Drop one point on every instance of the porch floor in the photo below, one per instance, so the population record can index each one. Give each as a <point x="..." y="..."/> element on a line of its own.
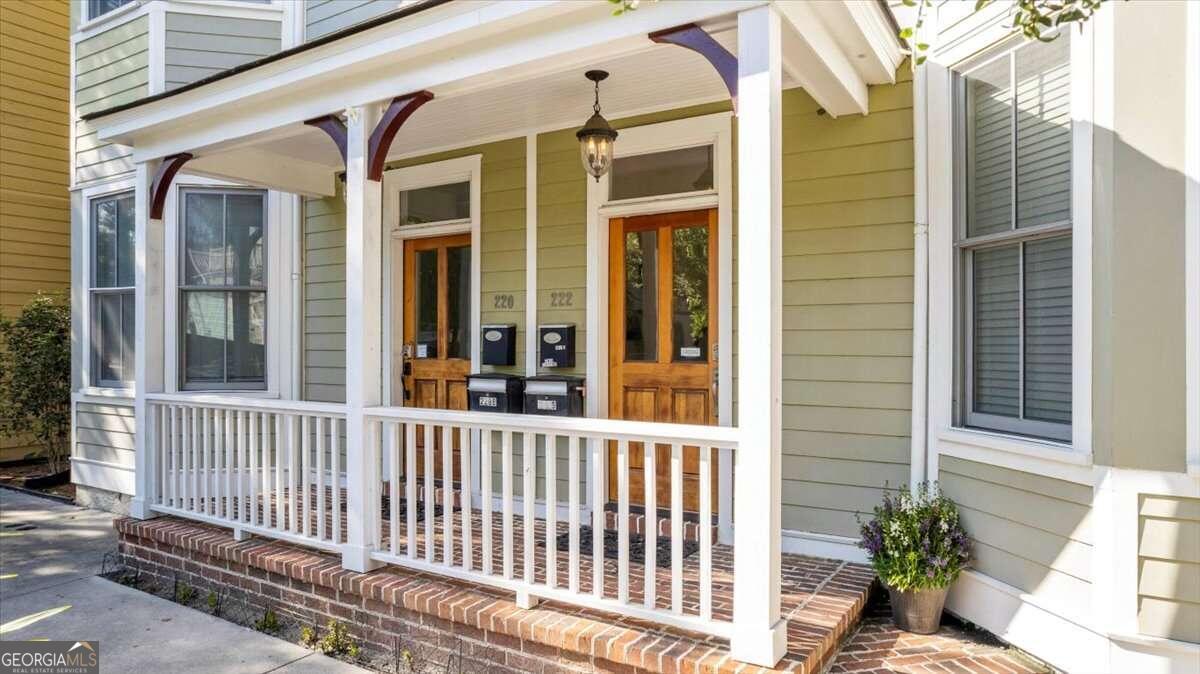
<point x="822" y="599"/>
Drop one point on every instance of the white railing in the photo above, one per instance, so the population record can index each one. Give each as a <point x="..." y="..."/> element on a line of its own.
<point x="277" y="469"/>
<point x="265" y="467"/>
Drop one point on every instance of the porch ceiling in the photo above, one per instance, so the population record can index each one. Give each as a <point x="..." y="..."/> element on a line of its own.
<point x="490" y="83"/>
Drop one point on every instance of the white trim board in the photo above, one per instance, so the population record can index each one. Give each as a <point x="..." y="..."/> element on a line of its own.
<point x="828" y="546"/>
<point x="1192" y="237"/>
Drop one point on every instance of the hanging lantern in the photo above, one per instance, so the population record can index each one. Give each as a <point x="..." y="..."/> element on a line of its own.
<point x="597" y="135"/>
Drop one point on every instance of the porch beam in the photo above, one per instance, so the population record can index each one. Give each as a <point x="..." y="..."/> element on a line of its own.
<point x="760" y="635"/>
<point x="163" y="177"/>
<point x="335" y="128"/>
<point x="267" y="169"/>
<point x="364" y="353"/>
<point x="817" y="61"/>
<point x="148" y="332"/>
<point x="397" y="113"/>
<point x="693" y="37"/>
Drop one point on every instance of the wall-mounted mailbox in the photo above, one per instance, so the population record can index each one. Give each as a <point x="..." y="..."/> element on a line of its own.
<point x="499" y="344"/>
<point x="556" y="345"/>
<point x="554" y="395"/>
<point x="495" y="392"/>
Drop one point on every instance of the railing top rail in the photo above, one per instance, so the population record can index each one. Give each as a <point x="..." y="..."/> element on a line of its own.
<point x="725" y="437"/>
<point x="248" y="403"/>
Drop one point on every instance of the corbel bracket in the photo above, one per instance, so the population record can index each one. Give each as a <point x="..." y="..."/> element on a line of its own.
<point x="398" y="112"/>
<point x="693" y="37"/>
<point x="335" y="128"/>
<point x="162" y="182"/>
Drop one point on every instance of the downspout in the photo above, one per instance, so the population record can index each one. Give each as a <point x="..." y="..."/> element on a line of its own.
<point x="920" y="353"/>
<point x="297" y="296"/>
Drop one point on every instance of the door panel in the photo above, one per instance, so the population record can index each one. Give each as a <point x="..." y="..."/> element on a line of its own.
<point x="662" y="328"/>
<point x="437" y="359"/>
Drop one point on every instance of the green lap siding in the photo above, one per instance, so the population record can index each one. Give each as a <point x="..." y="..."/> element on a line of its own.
<point x="198" y="45"/>
<point x="111" y="68"/>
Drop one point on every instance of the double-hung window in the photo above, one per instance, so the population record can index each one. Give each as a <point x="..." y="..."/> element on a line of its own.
<point x="223" y="289"/>
<point x="1013" y="240"/>
<point x="96" y="8"/>
<point x="111" y="291"/>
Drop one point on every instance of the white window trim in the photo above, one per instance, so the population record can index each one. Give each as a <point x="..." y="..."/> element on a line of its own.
<point x="1192" y="237"/>
<point x="92" y="26"/>
<point x="279" y="291"/>
<point x="461" y="169"/>
<point x="1018" y="452"/>
<point x="89" y="194"/>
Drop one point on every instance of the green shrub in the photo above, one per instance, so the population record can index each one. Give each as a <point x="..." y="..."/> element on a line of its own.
<point x="269" y="623"/>
<point x="35" y="375"/>
<point x="337" y="640"/>
<point x="915" y="540"/>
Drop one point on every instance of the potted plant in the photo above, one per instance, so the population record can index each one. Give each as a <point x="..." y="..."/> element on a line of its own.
<point x="917" y="547"/>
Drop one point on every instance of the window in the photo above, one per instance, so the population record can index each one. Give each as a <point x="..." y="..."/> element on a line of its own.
<point x="111" y="292"/>
<point x="440" y="203"/>
<point x="669" y="172"/>
<point x="223" y="289"/>
<point x="1014" y="241"/>
<point x="97" y="8"/>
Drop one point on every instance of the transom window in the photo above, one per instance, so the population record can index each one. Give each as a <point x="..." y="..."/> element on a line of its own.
<point x="680" y="171"/>
<point x="1014" y="240"/>
<point x="111" y="290"/>
<point x="440" y="203"/>
<point x="223" y="289"/>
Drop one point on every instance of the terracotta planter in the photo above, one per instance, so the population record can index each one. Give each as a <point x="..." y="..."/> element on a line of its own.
<point x="918" y="611"/>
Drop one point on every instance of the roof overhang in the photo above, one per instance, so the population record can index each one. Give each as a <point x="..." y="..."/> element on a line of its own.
<point x="469" y="49"/>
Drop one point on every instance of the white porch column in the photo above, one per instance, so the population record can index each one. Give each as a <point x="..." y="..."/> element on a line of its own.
<point x="760" y="636"/>
<point x="364" y="310"/>
<point x="149" y="315"/>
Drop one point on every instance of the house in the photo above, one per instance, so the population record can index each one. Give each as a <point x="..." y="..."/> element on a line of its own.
<point x="35" y="248"/>
<point x="806" y="274"/>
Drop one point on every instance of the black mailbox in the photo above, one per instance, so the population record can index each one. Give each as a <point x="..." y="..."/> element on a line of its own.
<point x="495" y="392"/>
<point x="556" y="345"/>
<point x="554" y="395"/>
<point x="499" y="345"/>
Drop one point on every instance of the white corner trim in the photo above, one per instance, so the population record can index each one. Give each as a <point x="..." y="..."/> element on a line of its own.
<point x="156" y="54"/>
<point x="1192" y="237"/>
<point x="823" y="545"/>
<point x="94" y="25"/>
<point x="531" y="254"/>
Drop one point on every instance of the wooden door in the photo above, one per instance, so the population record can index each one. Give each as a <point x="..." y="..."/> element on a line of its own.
<point x="662" y="337"/>
<point x="437" y="330"/>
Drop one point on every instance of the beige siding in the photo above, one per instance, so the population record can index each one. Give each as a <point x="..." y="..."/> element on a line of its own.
<point x="562" y="239"/>
<point x="326" y="16"/>
<point x="103" y="433"/>
<point x="198" y="46"/>
<point x="1169" y="567"/>
<point x="1030" y="531"/>
<point x="325" y="299"/>
<point x="110" y="69"/>
<point x="847" y="315"/>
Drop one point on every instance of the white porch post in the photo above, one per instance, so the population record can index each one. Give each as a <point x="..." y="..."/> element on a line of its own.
<point x="364" y="310"/>
<point x="760" y="636"/>
<point x="148" y="339"/>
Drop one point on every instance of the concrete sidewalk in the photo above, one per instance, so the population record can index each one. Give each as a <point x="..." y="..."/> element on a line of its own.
<point x="50" y="554"/>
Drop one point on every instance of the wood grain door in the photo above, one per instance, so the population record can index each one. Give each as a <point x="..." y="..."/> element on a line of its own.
<point x="437" y="330"/>
<point x="662" y="332"/>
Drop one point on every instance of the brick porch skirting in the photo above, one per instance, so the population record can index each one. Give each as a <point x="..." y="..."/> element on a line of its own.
<point x="822" y="600"/>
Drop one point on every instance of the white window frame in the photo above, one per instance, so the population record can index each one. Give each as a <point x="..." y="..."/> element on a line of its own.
<point x="1063" y="459"/>
<point x="278" y="226"/>
<point x="1192" y="237"/>
<point x="90" y="385"/>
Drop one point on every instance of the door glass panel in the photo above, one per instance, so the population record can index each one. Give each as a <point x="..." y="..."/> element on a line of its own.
<point x="426" y="295"/>
<point x="670" y="172"/>
<point x="689" y="293"/>
<point x="641" y="295"/>
<point x="458" y="282"/>
<point x="435" y="204"/>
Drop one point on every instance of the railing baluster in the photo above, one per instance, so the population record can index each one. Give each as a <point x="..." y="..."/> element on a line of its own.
<point x="650" y="523"/>
<point x="293" y="475"/>
<point x="623" y="521"/>
<point x="506" y="501"/>
<point x="430" y="504"/>
<point x="573" y="512"/>
<point x="410" y="486"/>
<point x="598" y="446"/>
<point x="335" y="477"/>
<point x="243" y="446"/>
<point x="254" y="446"/>
<point x="321" y="430"/>
<point x="161" y="453"/>
<point x="552" y="510"/>
<point x="464" y="518"/>
<point x="230" y="444"/>
<point x="279" y="456"/>
<point x="677" y="528"/>
<point x="485" y="497"/>
<point x="305" y="473"/>
<point x="264" y="447"/>
<point x="374" y="498"/>
<point x="705" y="532"/>
<point x="194" y="487"/>
<point x="206" y="442"/>
<point x="529" y="501"/>
<point x="169" y="456"/>
<point x="447" y="495"/>
<point x="393" y="458"/>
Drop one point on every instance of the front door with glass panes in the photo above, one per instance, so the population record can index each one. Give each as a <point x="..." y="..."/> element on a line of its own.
<point x="662" y="331"/>
<point x="437" y="325"/>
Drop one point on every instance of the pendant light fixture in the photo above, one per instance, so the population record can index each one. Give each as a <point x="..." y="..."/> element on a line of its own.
<point x="597" y="135"/>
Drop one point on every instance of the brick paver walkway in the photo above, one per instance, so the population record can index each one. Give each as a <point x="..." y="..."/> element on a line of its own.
<point x="877" y="647"/>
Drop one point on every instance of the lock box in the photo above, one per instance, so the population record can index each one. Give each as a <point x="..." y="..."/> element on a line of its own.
<point x="554" y="395"/>
<point x="499" y="344"/>
<point x="556" y="345"/>
<point x="495" y="392"/>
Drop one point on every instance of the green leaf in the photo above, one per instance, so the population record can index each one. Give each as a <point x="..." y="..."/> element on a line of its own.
<point x="921" y="59"/>
<point x="909" y="3"/>
<point x="980" y="4"/>
<point x="906" y="34"/>
<point x="922" y="46"/>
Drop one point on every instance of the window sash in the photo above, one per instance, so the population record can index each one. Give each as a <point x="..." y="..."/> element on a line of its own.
<point x="99" y="339"/>
<point x="99" y="288"/>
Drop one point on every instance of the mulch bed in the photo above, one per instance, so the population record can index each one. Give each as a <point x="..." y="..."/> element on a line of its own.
<point x="14" y="474"/>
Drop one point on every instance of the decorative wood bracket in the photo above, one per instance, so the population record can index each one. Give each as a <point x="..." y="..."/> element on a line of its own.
<point x="398" y="112"/>
<point x="693" y="37"/>
<point x="335" y="128"/>
<point x="162" y="182"/>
